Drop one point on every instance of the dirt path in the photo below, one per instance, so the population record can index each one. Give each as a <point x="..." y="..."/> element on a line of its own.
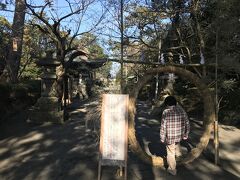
<point x="70" y="151"/>
<point x="49" y="152"/>
<point x="229" y="149"/>
<point x="229" y="137"/>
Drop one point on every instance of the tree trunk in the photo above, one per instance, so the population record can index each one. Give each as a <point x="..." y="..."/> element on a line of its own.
<point x="14" y="56"/>
<point x="195" y="14"/>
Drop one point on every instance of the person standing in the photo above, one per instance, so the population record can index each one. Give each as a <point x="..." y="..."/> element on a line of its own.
<point x="174" y="127"/>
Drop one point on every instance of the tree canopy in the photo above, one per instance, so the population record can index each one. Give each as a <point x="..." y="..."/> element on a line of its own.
<point x="154" y="31"/>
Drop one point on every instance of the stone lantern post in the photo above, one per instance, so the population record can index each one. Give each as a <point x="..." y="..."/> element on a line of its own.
<point x="47" y="107"/>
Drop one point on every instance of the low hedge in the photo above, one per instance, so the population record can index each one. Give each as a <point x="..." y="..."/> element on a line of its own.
<point x="16" y="97"/>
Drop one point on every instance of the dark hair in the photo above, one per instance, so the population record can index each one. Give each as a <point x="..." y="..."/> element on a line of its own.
<point x="170" y="101"/>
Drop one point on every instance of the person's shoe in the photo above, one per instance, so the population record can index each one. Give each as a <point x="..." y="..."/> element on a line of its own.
<point x="172" y="172"/>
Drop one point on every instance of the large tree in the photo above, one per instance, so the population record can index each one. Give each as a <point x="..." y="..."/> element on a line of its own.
<point x="60" y="34"/>
<point x="15" y="50"/>
<point x="5" y="33"/>
<point x="53" y="24"/>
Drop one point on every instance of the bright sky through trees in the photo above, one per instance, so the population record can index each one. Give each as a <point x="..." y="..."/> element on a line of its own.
<point x="61" y="8"/>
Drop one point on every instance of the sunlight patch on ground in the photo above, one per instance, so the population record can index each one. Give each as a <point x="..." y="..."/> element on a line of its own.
<point x="14" y="158"/>
<point x="142" y="119"/>
<point x="203" y="166"/>
<point x="153" y="121"/>
<point x="79" y="127"/>
<point x="45" y="173"/>
<point x="48" y="142"/>
<point x="88" y="174"/>
<point x="31" y="137"/>
<point x="84" y="110"/>
<point x="92" y="103"/>
<point x="3" y="150"/>
<point x="19" y="148"/>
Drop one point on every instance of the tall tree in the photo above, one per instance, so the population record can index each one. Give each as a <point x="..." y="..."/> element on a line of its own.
<point x="51" y="23"/>
<point x="63" y="36"/>
<point x="5" y="32"/>
<point x="15" y="51"/>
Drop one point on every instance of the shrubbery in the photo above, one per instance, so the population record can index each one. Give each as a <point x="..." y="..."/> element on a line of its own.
<point x="17" y="97"/>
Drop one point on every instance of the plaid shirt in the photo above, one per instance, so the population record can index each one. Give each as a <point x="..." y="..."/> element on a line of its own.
<point x="174" y="125"/>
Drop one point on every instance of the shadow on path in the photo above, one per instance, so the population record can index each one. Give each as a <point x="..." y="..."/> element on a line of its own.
<point x="69" y="151"/>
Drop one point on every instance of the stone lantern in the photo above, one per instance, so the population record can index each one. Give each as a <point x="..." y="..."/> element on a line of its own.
<point x="47" y="108"/>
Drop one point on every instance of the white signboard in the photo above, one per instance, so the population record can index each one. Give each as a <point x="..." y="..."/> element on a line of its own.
<point x="114" y="123"/>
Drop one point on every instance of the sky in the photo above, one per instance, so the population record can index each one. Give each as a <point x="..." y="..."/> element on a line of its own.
<point x="60" y="9"/>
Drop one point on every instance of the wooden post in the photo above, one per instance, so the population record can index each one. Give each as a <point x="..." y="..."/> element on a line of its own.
<point x="121" y="28"/>
<point x="157" y="76"/>
<point x="121" y="171"/>
<point x="216" y="143"/>
<point x="65" y="94"/>
<point x="99" y="169"/>
<point x="126" y="147"/>
<point x="216" y="132"/>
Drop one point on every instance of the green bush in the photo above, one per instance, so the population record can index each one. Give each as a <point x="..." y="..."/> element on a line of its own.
<point x="19" y="92"/>
<point x="229" y="107"/>
<point x="34" y="86"/>
<point x="230" y="118"/>
<point x="5" y="100"/>
<point x="26" y="90"/>
<point x="5" y="90"/>
<point x="16" y="97"/>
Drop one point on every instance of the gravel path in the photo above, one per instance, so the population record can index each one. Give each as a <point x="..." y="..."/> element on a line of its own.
<point x="70" y="151"/>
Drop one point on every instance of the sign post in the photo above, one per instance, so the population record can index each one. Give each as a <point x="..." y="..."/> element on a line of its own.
<point x="114" y="132"/>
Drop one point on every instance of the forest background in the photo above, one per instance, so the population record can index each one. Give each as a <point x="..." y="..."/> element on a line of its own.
<point x="191" y="31"/>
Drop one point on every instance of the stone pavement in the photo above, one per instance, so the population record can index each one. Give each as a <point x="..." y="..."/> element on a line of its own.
<point x="70" y="151"/>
